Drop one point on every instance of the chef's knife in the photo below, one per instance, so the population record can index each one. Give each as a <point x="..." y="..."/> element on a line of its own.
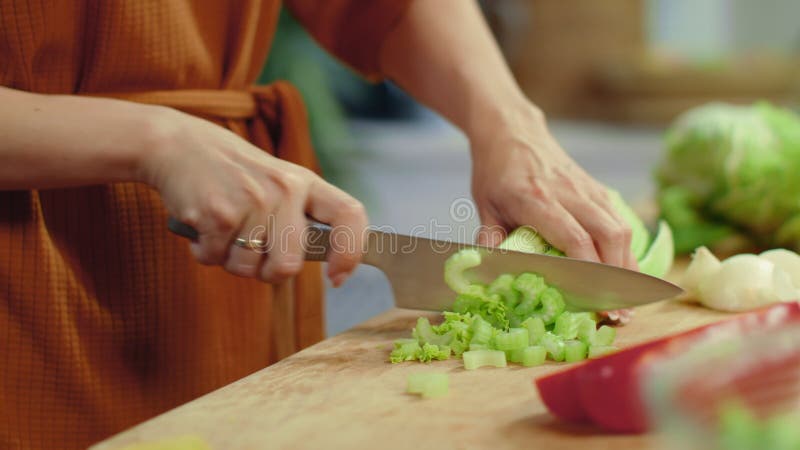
<point x="415" y="265"/>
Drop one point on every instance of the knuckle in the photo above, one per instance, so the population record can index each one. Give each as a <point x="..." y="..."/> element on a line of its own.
<point x="352" y="209"/>
<point x="256" y="196"/>
<point x="222" y="213"/>
<point x="579" y="239"/>
<point x="291" y="182"/>
<point x="189" y="216"/>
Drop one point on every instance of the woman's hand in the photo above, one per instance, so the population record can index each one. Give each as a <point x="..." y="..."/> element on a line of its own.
<point x="521" y="176"/>
<point x="226" y="188"/>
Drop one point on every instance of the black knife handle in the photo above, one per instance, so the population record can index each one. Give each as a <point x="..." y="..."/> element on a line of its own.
<point x="181" y="229"/>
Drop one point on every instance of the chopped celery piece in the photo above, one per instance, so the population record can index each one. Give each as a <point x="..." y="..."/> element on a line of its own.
<point x="514" y="356"/>
<point x="480" y="358"/>
<point x="605" y="335"/>
<point x="458" y="326"/>
<point x="597" y="351"/>
<point x="530" y="286"/>
<point x="405" y="352"/>
<point x="739" y="429"/>
<point x="401" y="342"/>
<point x="533" y="356"/>
<point x="527" y="240"/>
<point x="554" y="346"/>
<point x="429" y="352"/>
<point x="478" y="346"/>
<point x="456" y="265"/>
<point x="536" y="329"/>
<point x="425" y="333"/>
<point x="575" y="351"/>
<point x="481" y="331"/>
<point x="429" y="385"/>
<point x="552" y="304"/>
<point x="512" y="339"/>
<point x="490" y="308"/>
<point x="502" y="286"/>
<point x="586" y="331"/>
<point x="781" y="432"/>
<point x="526" y="307"/>
<point x="567" y="325"/>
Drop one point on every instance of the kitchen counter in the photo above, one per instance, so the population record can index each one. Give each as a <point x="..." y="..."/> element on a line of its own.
<point x="342" y="393"/>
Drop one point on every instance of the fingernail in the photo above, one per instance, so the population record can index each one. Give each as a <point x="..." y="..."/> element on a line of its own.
<point x="339" y="278"/>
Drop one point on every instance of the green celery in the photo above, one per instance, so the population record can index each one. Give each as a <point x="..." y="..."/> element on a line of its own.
<point x="401" y="342"/>
<point x="604" y="336"/>
<point x="456" y="265"/>
<point x="587" y="330"/>
<point x="575" y="351"/>
<point x="552" y="305"/>
<point x="477" y="346"/>
<point x="598" y="351"/>
<point x="429" y="352"/>
<point x="533" y="356"/>
<point x="429" y="385"/>
<point x="554" y="346"/>
<point x="512" y="339"/>
<point x="530" y="286"/>
<point x="405" y="352"/>
<point x="425" y="333"/>
<point x="502" y="286"/>
<point x="480" y="358"/>
<point x="567" y="324"/>
<point x="536" y="329"/>
<point x="514" y="356"/>
<point x="481" y="331"/>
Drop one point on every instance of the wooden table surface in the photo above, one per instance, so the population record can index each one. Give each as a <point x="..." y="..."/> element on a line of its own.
<point x="342" y="393"/>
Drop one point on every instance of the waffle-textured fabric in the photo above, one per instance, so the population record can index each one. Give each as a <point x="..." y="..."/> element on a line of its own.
<point x="105" y="318"/>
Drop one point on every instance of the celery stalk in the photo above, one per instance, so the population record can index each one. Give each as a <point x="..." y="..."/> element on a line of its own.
<point x="456" y="265"/>
<point x="474" y="359"/>
<point x="554" y="346"/>
<point x="481" y="331"/>
<point x="429" y="385"/>
<point x="605" y="335"/>
<point x="575" y="351"/>
<point x="502" y="286"/>
<point x="536" y="329"/>
<point x="586" y="331"/>
<point x="533" y="356"/>
<point x="552" y="305"/>
<point x="514" y="339"/>
<point x="566" y="325"/>
<point x="597" y="351"/>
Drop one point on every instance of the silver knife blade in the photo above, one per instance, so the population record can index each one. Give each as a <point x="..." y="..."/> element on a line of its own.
<point x="415" y="269"/>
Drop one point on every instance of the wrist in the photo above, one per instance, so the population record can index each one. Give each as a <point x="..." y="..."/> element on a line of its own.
<point x="503" y="120"/>
<point x="155" y="140"/>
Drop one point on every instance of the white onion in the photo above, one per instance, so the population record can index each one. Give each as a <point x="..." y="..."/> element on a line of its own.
<point x="704" y="264"/>
<point x="787" y="260"/>
<point x="743" y="282"/>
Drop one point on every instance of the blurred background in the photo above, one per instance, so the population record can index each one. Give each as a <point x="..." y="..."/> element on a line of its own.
<point x="611" y="76"/>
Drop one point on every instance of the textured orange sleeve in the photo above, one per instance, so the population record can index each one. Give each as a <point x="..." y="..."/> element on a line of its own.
<point x="353" y="30"/>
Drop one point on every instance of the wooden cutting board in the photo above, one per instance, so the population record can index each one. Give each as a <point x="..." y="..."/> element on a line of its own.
<point x="342" y="393"/>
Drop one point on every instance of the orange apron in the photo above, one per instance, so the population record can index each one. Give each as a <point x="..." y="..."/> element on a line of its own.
<point x="105" y="318"/>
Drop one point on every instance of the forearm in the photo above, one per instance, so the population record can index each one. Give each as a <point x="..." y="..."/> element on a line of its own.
<point x="444" y="55"/>
<point x="49" y="141"/>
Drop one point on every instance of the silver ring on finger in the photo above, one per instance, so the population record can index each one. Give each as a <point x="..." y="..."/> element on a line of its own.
<point x="250" y="244"/>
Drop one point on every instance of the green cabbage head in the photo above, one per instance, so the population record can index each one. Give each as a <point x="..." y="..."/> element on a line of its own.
<point x="732" y="171"/>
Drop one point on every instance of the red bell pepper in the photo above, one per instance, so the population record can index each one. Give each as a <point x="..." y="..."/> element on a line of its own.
<point x="606" y="391"/>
